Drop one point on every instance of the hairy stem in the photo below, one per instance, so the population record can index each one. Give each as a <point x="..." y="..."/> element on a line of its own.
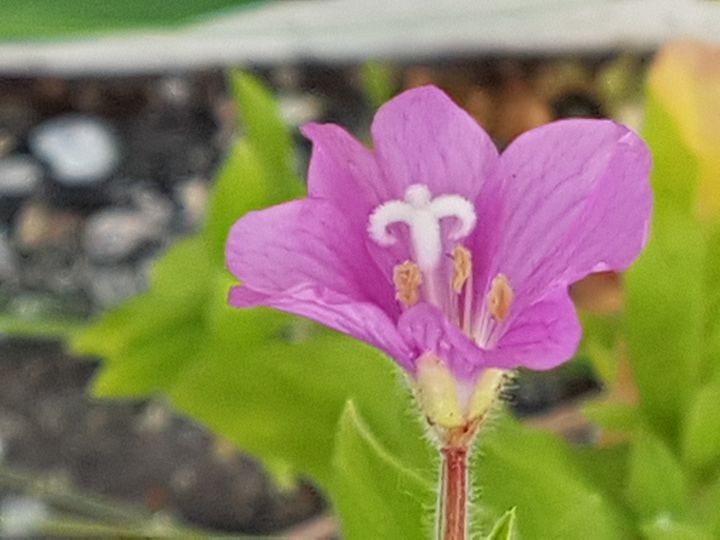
<point x="453" y="498"/>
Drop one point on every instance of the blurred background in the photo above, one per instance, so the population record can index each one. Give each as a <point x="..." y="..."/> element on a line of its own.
<point x="115" y="118"/>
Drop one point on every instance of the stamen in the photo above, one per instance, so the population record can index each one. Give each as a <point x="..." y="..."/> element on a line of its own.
<point x="500" y="298"/>
<point x="462" y="267"/>
<point x="407" y="278"/>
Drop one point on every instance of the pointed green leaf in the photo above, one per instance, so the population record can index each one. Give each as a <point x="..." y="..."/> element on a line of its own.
<point x="504" y="528"/>
<point x="265" y="130"/>
<point x="656" y="481"/>
<point x="376" y="495"/>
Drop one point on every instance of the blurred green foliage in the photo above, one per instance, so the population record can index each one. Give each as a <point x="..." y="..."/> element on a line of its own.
<point x="37" y="19"/>
<point x="308" y="401"/>
<point x="378" y="81"/>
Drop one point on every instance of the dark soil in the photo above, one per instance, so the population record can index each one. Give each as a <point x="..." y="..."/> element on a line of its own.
<point x="136" y="452"/>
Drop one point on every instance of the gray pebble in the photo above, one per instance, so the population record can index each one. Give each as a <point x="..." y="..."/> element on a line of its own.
<point x="39" y="227"/>
<point x="22" y="515"/>
<point x="192" y="196"/>
<point x="113" y="235"/>
<point x="79" y="150"/>
<point x="19" y="176"/>
<point x="156" y="209"/>
<point x="109" y="286"/>
<point x="8" y="142"/>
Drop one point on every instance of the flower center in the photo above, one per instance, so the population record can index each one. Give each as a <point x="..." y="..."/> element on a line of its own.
<point x="445" y="282"/>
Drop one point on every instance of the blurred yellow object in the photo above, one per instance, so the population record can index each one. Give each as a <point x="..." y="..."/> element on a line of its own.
<point x="685" y="78"/>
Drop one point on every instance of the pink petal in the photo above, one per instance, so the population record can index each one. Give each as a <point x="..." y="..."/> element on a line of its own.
<point x="543" y="336"/>
<point x="345" y="172"/>
<point x="304" y="258"/>
<point x="576" y="200"/>
<point x="305" y="243"/>
<point x="361" y="320"/>
<point x="422" y="137"/>
<point x="426" y="329"/>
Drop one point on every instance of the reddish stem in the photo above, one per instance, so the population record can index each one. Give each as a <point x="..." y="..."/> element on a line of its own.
<point x="454" y="493"/>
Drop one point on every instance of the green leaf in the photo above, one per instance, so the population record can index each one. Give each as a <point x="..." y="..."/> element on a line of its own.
<point x="665" y="528"/>
<point x="247" y="327"/>
<point x="241" y="186"/>
<point x="282" y="401"/>
<point x="149" y="366"/>
<point x="705" y="507"/>
<point x="667" y="296"/>
<point x="376" y="494"/>
<point x="711" y="364"/>
<point x="537" y="473"/>
<point x="656" y="481"/>
<point x="504" y="528"/>
<point x="33" y="19"/>
<point x="675" y="166"/>
<point x="266" y="132"/>
<point x="378" y="82"/>
<point x="175" y="300"/>
<point x="701" y="429"/>
<point x="666" y="318"/>
<point x="606" y="470"/>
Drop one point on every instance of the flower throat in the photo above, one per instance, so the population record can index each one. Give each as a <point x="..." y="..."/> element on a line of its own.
<point x="426" y="276"/>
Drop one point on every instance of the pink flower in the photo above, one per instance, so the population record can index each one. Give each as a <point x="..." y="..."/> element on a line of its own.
<point x="433" y="243"/>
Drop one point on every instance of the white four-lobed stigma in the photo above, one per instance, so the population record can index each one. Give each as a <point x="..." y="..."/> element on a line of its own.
<point x="422" y="214"/>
